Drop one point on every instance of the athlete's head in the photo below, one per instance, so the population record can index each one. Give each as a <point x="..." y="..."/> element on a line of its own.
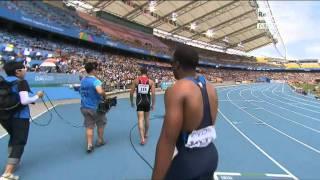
<point x="143" y="71"/>
<point x="13" y="68"/>
<point x="91" y="67"/>
<point x="184" y="59"/>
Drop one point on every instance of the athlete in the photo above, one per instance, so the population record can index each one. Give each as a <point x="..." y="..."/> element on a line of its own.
<point x="143" y="86"/>
<point x="190" y="115"/>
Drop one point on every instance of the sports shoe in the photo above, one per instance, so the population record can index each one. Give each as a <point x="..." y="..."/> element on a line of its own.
<point x="8" y="176"/>
<point x="90" y="149"/>
<point x="99" y="144"/>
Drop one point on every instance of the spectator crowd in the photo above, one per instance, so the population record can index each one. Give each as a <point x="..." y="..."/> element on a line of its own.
<point x="117" y="70"/>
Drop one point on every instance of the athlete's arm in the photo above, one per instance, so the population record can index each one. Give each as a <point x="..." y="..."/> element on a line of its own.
<point x="170" y="131"/>
<point x="213" y="98"/>
<point x="133" y="87"/>
<point x="153" y="92"/>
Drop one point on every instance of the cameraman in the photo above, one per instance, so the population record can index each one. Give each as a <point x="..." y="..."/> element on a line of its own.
<point x="17" y="125"/>
<point x="91" y="92"/>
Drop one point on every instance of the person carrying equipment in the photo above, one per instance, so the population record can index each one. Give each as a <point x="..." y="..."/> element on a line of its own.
<point x="15" y="119"/>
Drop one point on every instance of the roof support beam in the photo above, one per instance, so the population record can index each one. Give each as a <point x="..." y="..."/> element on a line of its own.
<point x="106" y="4"/>
<point x="226" y="23"/>
<point x="101" y="5"/>
<point x="137" y="9"/>
<point x="235" y="32"/>
<point x="249" y="39"/>
<point x="262" y="45"/>
<point x="144" y="9"/>
<point x="168" y="14"/>
<point x="180" y="28"/>
<point x="97" y="4"/>
<point x="180" y="11"/>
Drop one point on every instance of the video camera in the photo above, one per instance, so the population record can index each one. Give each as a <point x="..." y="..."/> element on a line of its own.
<point x="106" y="104"/>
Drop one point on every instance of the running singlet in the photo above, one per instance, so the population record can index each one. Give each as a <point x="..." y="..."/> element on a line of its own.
<point x="143" y="86"/>
<point x="197" y="156"/>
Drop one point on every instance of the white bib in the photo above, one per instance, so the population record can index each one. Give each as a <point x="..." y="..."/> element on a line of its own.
<point x="201" y="138"/>
<point x="143" y="88"/>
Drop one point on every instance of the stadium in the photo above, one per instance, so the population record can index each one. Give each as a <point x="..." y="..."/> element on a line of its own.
<point x="267" y="123"/>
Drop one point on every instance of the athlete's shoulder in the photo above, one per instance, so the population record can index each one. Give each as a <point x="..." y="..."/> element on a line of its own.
<point x="178" y="90"/>
<point x="182" y="83"/>
<point x="211" y="89"/>
<point x="182" y="86"/>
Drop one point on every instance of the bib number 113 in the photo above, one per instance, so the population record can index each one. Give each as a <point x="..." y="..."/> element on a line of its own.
<point x="143" y="88"/>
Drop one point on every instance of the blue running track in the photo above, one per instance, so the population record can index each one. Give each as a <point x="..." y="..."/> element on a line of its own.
<point x="264" y="131"/>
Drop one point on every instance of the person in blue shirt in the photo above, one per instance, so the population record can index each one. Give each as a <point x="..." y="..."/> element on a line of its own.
<point x="189" y="123"/>
<point x="92" y="93"/>
<point x="18" y="126"/>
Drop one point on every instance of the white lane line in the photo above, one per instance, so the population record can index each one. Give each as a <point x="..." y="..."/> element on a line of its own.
<point x="287" y="119"/>
<point x="256" y="146"/>
<point x="278" y="106"/>
<point x="275" y="129"/>
<point x="295" y="102"/>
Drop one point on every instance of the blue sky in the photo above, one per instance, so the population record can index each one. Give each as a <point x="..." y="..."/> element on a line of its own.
<point x="299" y="26"/>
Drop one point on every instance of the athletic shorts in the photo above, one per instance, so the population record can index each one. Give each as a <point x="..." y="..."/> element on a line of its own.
<point x="92" y="118"/>
<point x="143" y="106"/>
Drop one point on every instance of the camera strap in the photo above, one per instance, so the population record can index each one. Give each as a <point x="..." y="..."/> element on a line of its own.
<point x="51" y="115"/>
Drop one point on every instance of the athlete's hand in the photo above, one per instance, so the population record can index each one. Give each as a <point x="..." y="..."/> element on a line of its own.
<point x="40" y="94"/>
<point x="152" y="108"/>
<point x="132" y="105"/>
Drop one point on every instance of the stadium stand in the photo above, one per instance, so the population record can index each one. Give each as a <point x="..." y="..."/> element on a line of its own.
<point x="56" y="41"/>
<point x="292" y="65"/>
<point x="309" y="65"/>
<point x="126" y="34"/>
<point x="118" y="68"/>
<point x="38" y="9"/>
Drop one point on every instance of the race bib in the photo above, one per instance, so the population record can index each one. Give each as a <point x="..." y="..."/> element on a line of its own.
<point x="143" y="88"/>
<point x="201" y="138"/>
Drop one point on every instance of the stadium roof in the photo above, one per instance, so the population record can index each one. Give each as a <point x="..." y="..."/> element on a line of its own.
<point x="227" y="24"/>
